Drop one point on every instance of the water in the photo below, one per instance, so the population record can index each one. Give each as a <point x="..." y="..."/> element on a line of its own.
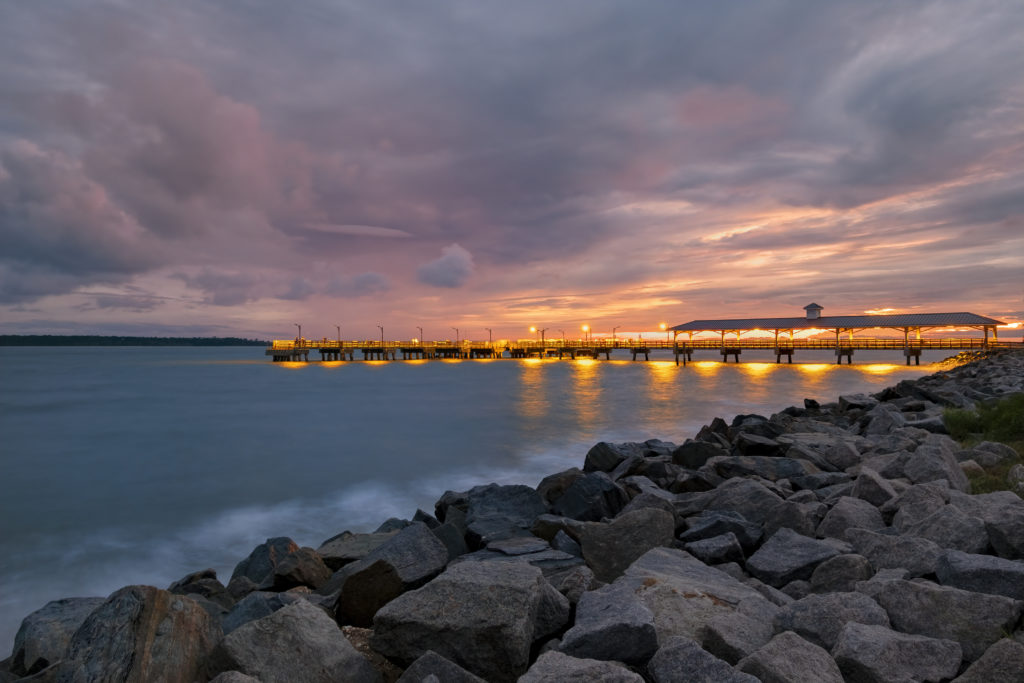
<point x="139" y="465"/>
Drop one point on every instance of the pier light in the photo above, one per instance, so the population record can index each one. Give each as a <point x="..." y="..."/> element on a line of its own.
<point x="586" y="332"/>
<point x="381" y="328"/>
<point x="456" y="335"/>
<point x="490" y="340"/>
<point x="613" y="332"/>
<point x="664" y="327"/>
<point x="421" y="331"/>
<point x="300" y="329"/>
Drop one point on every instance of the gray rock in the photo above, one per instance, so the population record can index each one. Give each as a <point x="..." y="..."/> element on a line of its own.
<point x="553" y="612"/>
<point x="747" y="497"/>
<point x="555" y="667"/>
<point x="234" y="677"/>
<point x="1006" y="532"/>
<point x="714" y="523"/>
<point x="43" y="636"/>
<point x="553" y="486"/>
<point x="494" y="512"/>
<point x="797" y="589"/>
<point x="1003" y="662"/>
<point x="981" y="573"/>
<point x="990" y="454"/>
<point x="872" y="487"/>
<point x="883" y="419"/>
<point x="453" y="538"/>
<point x="934" y="460"/>
<point x="297" y="642"/>
<point x="803" y="518"/>
<point x="840" y="574"/>
<point x="916" y="503"/>
<point x="255" y="606"/>
<point x="752" y="444"/>
<point x="788" y="556"/>
<point x="280" y="564"/>
<point x="409" y="559"/>
<point x="662" y="500"/>
<point x="591" y="498"/>
<point x="609" y="548"/>
<point x="766" y="467"/>
<point x="347" y="547"/>
<point x="392" y="524"/>
<point x="142" y="633"/>
<point x="717" y="549"/>
<point x="432" y="664"/>
<point x="519" y="545"/>
<point x="574" y="582"/>
<point x="733" y="635"/>
<point x="682" y="659"/>
<point x="788" y="658"/>
<point x="820" y="618"/>
<point x="849" y="513"/>
<point x="563" y="542"/>
<point x="547" y="527"/>
<point x="932" y="424"/>
<point x="975" y="620"/>
<point x="605" y="457"/>
<point x="480" y="615"/>
<point x="205" y="584"/>
<point x="877" y="654"/>
<point x="548" y="561"/>
<point x="916" y="555"/>
<point x="849" y="402"/>
<point x="612" y="623"/>
<point x="949" y="527"/>
<point x="693" y="454"/>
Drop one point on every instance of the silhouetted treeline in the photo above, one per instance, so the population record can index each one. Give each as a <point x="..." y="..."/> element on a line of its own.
<point x="103" y="340"/>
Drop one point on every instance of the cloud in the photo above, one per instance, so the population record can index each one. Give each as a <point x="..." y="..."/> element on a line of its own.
<point x="370" y="283"/>
<point x="357" y="230"/>
<point x="451" y="269"/>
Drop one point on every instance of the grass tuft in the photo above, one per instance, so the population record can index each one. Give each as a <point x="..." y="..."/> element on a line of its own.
<point x="1000" y="420"/>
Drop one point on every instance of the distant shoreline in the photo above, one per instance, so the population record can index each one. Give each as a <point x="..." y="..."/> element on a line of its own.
<point x="112" y="340"/>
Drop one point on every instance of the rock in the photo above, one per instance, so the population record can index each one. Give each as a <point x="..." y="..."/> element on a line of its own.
<point x="574" y="582"/>
<point x="971" y="468"/>
<point x="1003" y="662"/>
<point x="553" y="486"/>
<point x="233" y="677"/>
<point x="453" y="538"/>
<point x="717" y="522"/>
<point x="142" y="633"/>
<point x="553" y="612"/>
<point x="348" y="547"/>
<point x="770" y="468"/>
<point x="555" y="667"/>
<point x="494" y="512"/>
<point x="847" y="513"/>
<point x="591" y="498"/>
<point x="788" y="556"/>
<point x="981" y="573"/>
<point x="563" y="542"/>
<point x="605" y="457"/>
<point x="917" y="555"/>
<point x="432" y="664"/>
<point x="519" y="545"/>
<point x="931" y="463"/>
<point x="280" y="564"/>
<point x="650" y="499"/>
<point x="990" y="454"/>
<point x="747" y="497"/>
<point x="840" y="574"/>
<point x="43" y="636"/>
<point x="820" y="618"/>
<point x="612" y="623"/>
<point x="1006" y="531"/>
<point x="753" y="444"/>
<point x="877" y="654"/>
<point x="609" y="548"/>
<point x="797" y="589"/>
<point x="409" y="559"/>
<point x="916" y="503"/>
<point x="682" y="659"/>
<point x="788" y="658"/>
<point x="803" y="518"/>
<point x="204" y="583"/>
<point x="480" y="615"/>
<point x="297" y="642"/>
<point x="872" y="487"/>
<point x="975" y="620"/>
<point x="932" y="424"/>
<point x="949" y="527"/>
<point x="717" y="549"/>
<point x="731" y="636"/>
<point x="849" y="402"/>
<point x="255" y="606"/>
<point x="693" y="454"/>
<point x="883" y="419"/>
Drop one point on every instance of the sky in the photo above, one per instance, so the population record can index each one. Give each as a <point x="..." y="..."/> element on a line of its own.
<point x="237" y="168"/>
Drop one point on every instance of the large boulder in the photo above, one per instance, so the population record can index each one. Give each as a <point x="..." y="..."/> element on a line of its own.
<point x="935" y="460"/>
<point x="840" y="574"/>
<point x="745" y="496"/>
<point x="717" y="549"/>
<point x="748" y="443"/>
<point x="733" y="635"/>
<point x="1003" y="662"/>
<point x="693" y="454"/>
<point x="788" y="556"/>
<point x="591" y="498"/>
<point x="480" y="615"/>
<point x="556" y="667"/>
<point x="820" y="618"/>
<point x="877" y="654"/>
<point x="788" y="658"/>
<point x="872" y="487"/>
<point x="916" y="503"/>
<point x="43" y="636"/>
<point x="296" y="643"/>
<point x="981" y="573"/>
<point x="917" y="555"/>
<point x="347" y="547"/>
<point x="849" y="512"/>
<point x="495" y="512"/>
<point x="255" y="606"/>
<point x="712" y="523"/>
<point x="432" y="664"/>
<point x="975" y="620"/>
<point x="279" y="564"/>
<point x="765" y="467"/>
<point x="612" y="623"/>
<point x="409" y="559"/>
<point x="609" y="548"/>
<point x="206" y="585"/>
<point x="142" y="633"/>
<point x="605" y="457"/>
<point x="950" y="527"/>
<point x="682" y="659"/>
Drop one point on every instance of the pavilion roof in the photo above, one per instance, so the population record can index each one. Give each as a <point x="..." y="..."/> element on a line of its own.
<point x="841" y="322"/>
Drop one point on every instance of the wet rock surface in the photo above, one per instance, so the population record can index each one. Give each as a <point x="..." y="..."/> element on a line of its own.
<point x="828" y="542"/>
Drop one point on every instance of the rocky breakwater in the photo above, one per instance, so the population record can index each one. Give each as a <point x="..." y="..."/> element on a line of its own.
<point x="825" y="543"/>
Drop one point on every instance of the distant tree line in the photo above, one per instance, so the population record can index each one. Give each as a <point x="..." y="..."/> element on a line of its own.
<point x="105" y="340"/>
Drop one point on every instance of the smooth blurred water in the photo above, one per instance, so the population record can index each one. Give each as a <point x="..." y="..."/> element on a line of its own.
<point x="139" y="465"/>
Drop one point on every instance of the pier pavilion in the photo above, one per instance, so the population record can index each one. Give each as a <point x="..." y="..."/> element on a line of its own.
<point x="783" y="331"/>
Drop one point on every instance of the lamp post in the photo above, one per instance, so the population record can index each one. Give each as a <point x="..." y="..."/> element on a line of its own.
<point x="300" y="330"/>
<point x="338" y="328"/>
<point x="490" y="339"/>
<point x="381" y="328"/>
<point x="456" y="335"/>
<point x="563" y="336"/>
<point x="613" y="333"/>
<point x="421" y="333"/>
<point x="586" y="332"/>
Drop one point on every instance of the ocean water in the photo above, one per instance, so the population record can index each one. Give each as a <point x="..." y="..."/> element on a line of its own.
<point x="140" y="465"/>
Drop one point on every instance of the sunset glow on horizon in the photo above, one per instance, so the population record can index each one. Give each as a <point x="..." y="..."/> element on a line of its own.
<point x="606" y="169"/>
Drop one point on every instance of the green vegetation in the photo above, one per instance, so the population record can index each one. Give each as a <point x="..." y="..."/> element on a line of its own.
<point x="1000" y="420"/>
<point x="101" y="340"/>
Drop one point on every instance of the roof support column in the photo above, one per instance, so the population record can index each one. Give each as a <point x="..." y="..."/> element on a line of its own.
<point x="986" y="336"/>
